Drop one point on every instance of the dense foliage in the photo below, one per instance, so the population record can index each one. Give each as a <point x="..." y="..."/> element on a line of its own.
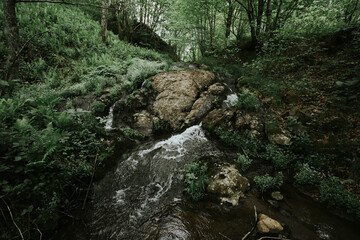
<point x="50" y="147"/>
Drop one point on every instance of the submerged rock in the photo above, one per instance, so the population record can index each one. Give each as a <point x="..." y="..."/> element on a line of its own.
<point x="177" y="92"/>
<point x="229" y="185"/>
<point x="268" y="225"/>
<point x="277" y="196"/>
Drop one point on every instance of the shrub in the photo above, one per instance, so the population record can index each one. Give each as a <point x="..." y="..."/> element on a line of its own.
<point x="196" y="179"/>
<point x="251" y="145"/>
<point x="266" y="182"/>
<point x="97" y="107"/>
<point x="243" y="161"/>
<point x="335" y="194"/>
<point x="308" y="175"/>
<point x="280" y="158"/>
<point x="248" y="101"/>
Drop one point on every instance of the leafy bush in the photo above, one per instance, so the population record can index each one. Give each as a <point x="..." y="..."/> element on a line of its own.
<point x="280" y="158"/>
<point x="336" y="195"/>
<point x="97" y="107"/>
<point x="251" y="145"/>
<point x="266" y="182"/>
<point x="243" y="161"/>
<point x="248" y="101"/>
<point x="129" y="134"/>
<point x="196" y="179"/>
<point x="308" y="175"/>
<point x="47" y="157"/>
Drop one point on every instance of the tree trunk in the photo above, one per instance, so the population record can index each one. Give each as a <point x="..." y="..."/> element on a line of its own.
<point x="118" y="22"/>
<point x="260" y="14"/>
<point x="268" y="19"/>
<point x="104" y="13"/>
<point x="12" y="31"/>
<point x="229" y="19"/>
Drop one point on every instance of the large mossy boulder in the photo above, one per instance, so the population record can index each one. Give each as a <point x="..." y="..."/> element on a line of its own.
<point x="229" y="185"/>
<point x="177" y="93"/>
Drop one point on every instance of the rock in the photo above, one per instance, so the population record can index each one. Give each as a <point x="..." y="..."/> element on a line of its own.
<point x="229" y="185"/>
<point x="200" y="108"/>
<point x="216" y="89"/>
<point x="219" y="117"/>
<point x="143" y="122"/>
<point x="268" y="225"/>
<point x="273" y="203"/>
<point x="277" y="196"/>
<point x="279" y="139"/>
<point x="177" y="92"/>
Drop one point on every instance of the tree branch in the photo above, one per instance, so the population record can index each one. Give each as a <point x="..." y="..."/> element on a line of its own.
<point x="20" y="51"/>
<point x="21" y="234"/>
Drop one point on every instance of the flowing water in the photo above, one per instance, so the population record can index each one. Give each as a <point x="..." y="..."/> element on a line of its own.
<point x="142" y="198"/>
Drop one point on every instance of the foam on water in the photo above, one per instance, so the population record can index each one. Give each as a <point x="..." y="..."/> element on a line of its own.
<point x="231" y="100"/>
<point x="109" y="122"/>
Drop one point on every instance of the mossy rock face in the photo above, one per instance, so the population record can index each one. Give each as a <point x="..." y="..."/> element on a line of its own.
<point x="272" y="128"/>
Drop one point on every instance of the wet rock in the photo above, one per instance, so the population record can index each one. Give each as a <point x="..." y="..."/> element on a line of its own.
<point x="177" y="91"/>
<point x="143" y="122"/>
<point x="277" y="196"/>
<point x="273" y="203"/>
<point x="200" y="108"/>
<point x="219" y="118"/>
<point x="216" y="89"/>
<point x="268" y="225"/>
<point x="279" y="139"/>
<point x="229" y="185"/>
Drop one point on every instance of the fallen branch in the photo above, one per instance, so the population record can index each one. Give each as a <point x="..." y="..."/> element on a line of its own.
<point x="21" y="234"/>
<point x="252" y="229"/>
<point x="224" y="236"/>
<point x="92" y="178"/>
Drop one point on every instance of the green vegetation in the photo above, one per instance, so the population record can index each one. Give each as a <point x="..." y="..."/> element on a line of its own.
<point x="307" y="175"/>
<point x="62" y="71"/>
<point x="49" y="146"/>
<point x="248" y="101"/>
<point x="244" y="162"/>
<point x="196" y="179"/>
<point x="267" y="182"/>
<point x="333" y="192"/>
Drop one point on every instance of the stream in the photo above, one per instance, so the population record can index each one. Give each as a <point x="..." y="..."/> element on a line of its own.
<point x="142" y="198"/>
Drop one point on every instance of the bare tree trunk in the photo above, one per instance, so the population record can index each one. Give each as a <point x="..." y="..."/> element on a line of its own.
<point x="229" y="19"/>
<point x="12" y="31"/>
<point x="268" y="20"/>
<point x="260" y="14"/>
<point x="118" y="21"/>
<point x="104" y="13"/>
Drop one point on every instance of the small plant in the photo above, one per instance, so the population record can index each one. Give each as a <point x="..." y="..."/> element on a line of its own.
<point x="217" y="102"/>
<point x="97" y="107"/>
<point x="308" y="175"/>
<point x="196" y="179"/>
<point x="248" y="101"/>
<point x="335" y="194"/>
<point x="279" y="157"/>
<point x="129" y="134"/>
<point x="267" y="182"/>
<point x="243" y="161"/>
